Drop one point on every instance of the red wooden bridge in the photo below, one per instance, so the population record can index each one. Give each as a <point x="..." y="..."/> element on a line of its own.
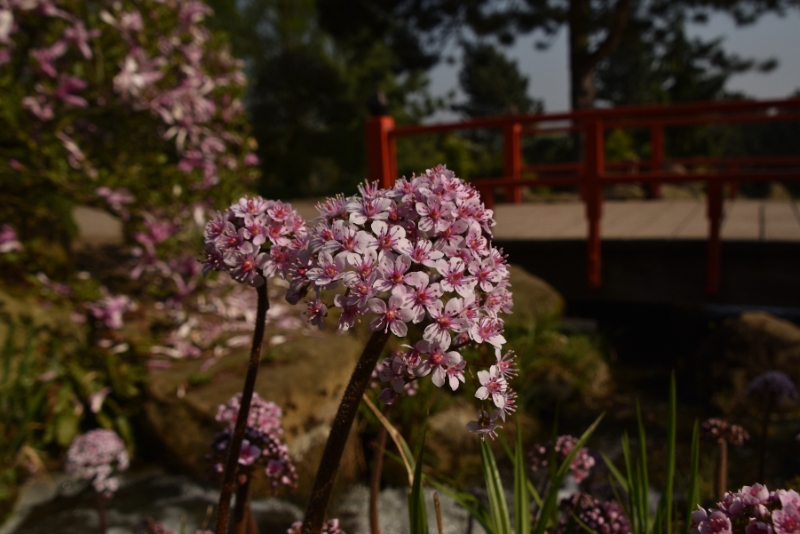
<point x="592" y="172"/>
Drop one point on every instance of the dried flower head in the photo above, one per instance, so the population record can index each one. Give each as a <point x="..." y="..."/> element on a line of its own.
<point x="418" y="253"/>
<point x="95" y="456"/>
<point x="715" y="429"/>
<point x="254" y="239"/>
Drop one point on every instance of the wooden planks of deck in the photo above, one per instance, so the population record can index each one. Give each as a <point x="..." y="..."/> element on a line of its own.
<point x="751" y="220"/>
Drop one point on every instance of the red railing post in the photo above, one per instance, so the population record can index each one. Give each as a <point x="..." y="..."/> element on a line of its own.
<point x="594" y="166"/>
<point x="714" y="212"/>
<point x="656" y="156"/>
<point x="733" y="185"/>
<point x="512" y="160"/>
<point x="380" y="150"/>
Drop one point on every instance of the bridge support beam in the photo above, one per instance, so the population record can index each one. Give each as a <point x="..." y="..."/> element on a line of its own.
<point x="381" y="155"/>
<point x="512" y="160"/>
<point x="594" y="165"/>
<point x="714" y="253"/>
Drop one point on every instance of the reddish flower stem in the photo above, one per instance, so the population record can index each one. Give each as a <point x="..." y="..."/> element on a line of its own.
<point x="340" y="430"/>
<point x="721" y="480"/>
<point x="240" y="509"/>
<point x="229" y="475"/>
<point x="101" y="512"/>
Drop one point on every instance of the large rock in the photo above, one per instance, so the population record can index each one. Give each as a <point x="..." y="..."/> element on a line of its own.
<point x="306" y="376"/>
<point x="534" y="299"/>
<point x="746" y="346"/>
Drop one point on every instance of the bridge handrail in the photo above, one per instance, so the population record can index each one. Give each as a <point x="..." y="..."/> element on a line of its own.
<point x="592" y="172"/>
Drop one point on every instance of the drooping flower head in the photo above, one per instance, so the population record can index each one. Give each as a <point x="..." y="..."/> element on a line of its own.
<point x="95" y="456"/>
<point x="418" y="253"/>
<point x="254" y="239"/>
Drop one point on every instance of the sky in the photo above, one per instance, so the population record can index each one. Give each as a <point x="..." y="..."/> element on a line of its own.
<point x="547" y="72"/>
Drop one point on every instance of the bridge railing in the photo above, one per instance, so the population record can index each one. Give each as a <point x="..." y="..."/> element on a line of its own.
<point x="592" y="172"/>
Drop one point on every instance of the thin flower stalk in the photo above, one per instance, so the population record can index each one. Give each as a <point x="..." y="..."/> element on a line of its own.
<point x="229" y="474"/>
<point x="340" y="430"/>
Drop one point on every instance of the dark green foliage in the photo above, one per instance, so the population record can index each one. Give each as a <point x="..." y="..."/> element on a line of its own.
<point x="493" y="84"/>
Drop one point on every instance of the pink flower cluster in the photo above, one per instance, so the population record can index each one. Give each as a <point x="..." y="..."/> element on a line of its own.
<point x="416" y="254"/>
<point x="600" y="517"/>
<point x="263" y="416"/>
<point x="262" y="445"/>
<point x="328" y="527"/>
<point x="254" y="239"/>
<point x="95" y="456"/>
<point x="175" y="77"/>
<point x="110" y="309"/>
<point x="751" y="510"/>
<point x="581" y="465"/>
<point x="8" y="240"/>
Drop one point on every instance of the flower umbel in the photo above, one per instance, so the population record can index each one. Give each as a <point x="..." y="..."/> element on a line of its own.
<point x="254" y="239"/>
<point x="418" y="253"/>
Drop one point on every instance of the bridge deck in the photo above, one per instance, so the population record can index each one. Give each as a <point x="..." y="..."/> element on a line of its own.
<point x="751" y="220"/>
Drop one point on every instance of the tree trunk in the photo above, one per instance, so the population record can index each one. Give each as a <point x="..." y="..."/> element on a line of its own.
<point x="580" y="70"/>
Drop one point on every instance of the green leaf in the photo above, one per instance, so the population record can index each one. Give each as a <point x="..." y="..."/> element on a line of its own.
<point x="673" y="411"/>
<point x="615" y="472"/>
<point x="692" y="496"/>
<point x="644" y="481"/>
<point x="417" y="514"/>
<point x="498" y="508"/>
<point x="66" y="427"/>
<point x="522" y="505"/>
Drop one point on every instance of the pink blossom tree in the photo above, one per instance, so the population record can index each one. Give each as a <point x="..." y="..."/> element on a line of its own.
<point x="133" y="106"/>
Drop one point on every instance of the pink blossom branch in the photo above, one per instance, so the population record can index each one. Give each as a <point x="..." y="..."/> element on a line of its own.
<point x="329" y="465"/>
<point x="229" y="476"/>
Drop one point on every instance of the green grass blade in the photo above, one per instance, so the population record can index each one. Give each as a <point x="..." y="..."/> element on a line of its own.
<point x="692" y="496"/>
<point x="615" y="472"/>
<point x="399" y="441"/>
<point x="644" y="482"/>
<point x="550" y="505"/>
<point x="532" y="491"/>
<point x="467" y="501"/>
<point x="583" y="525"/>
<point x="522" y="504"/>
<point x="673" y="414"/>
<point x="498" y="508"/>
<point x="417" y="514"/>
